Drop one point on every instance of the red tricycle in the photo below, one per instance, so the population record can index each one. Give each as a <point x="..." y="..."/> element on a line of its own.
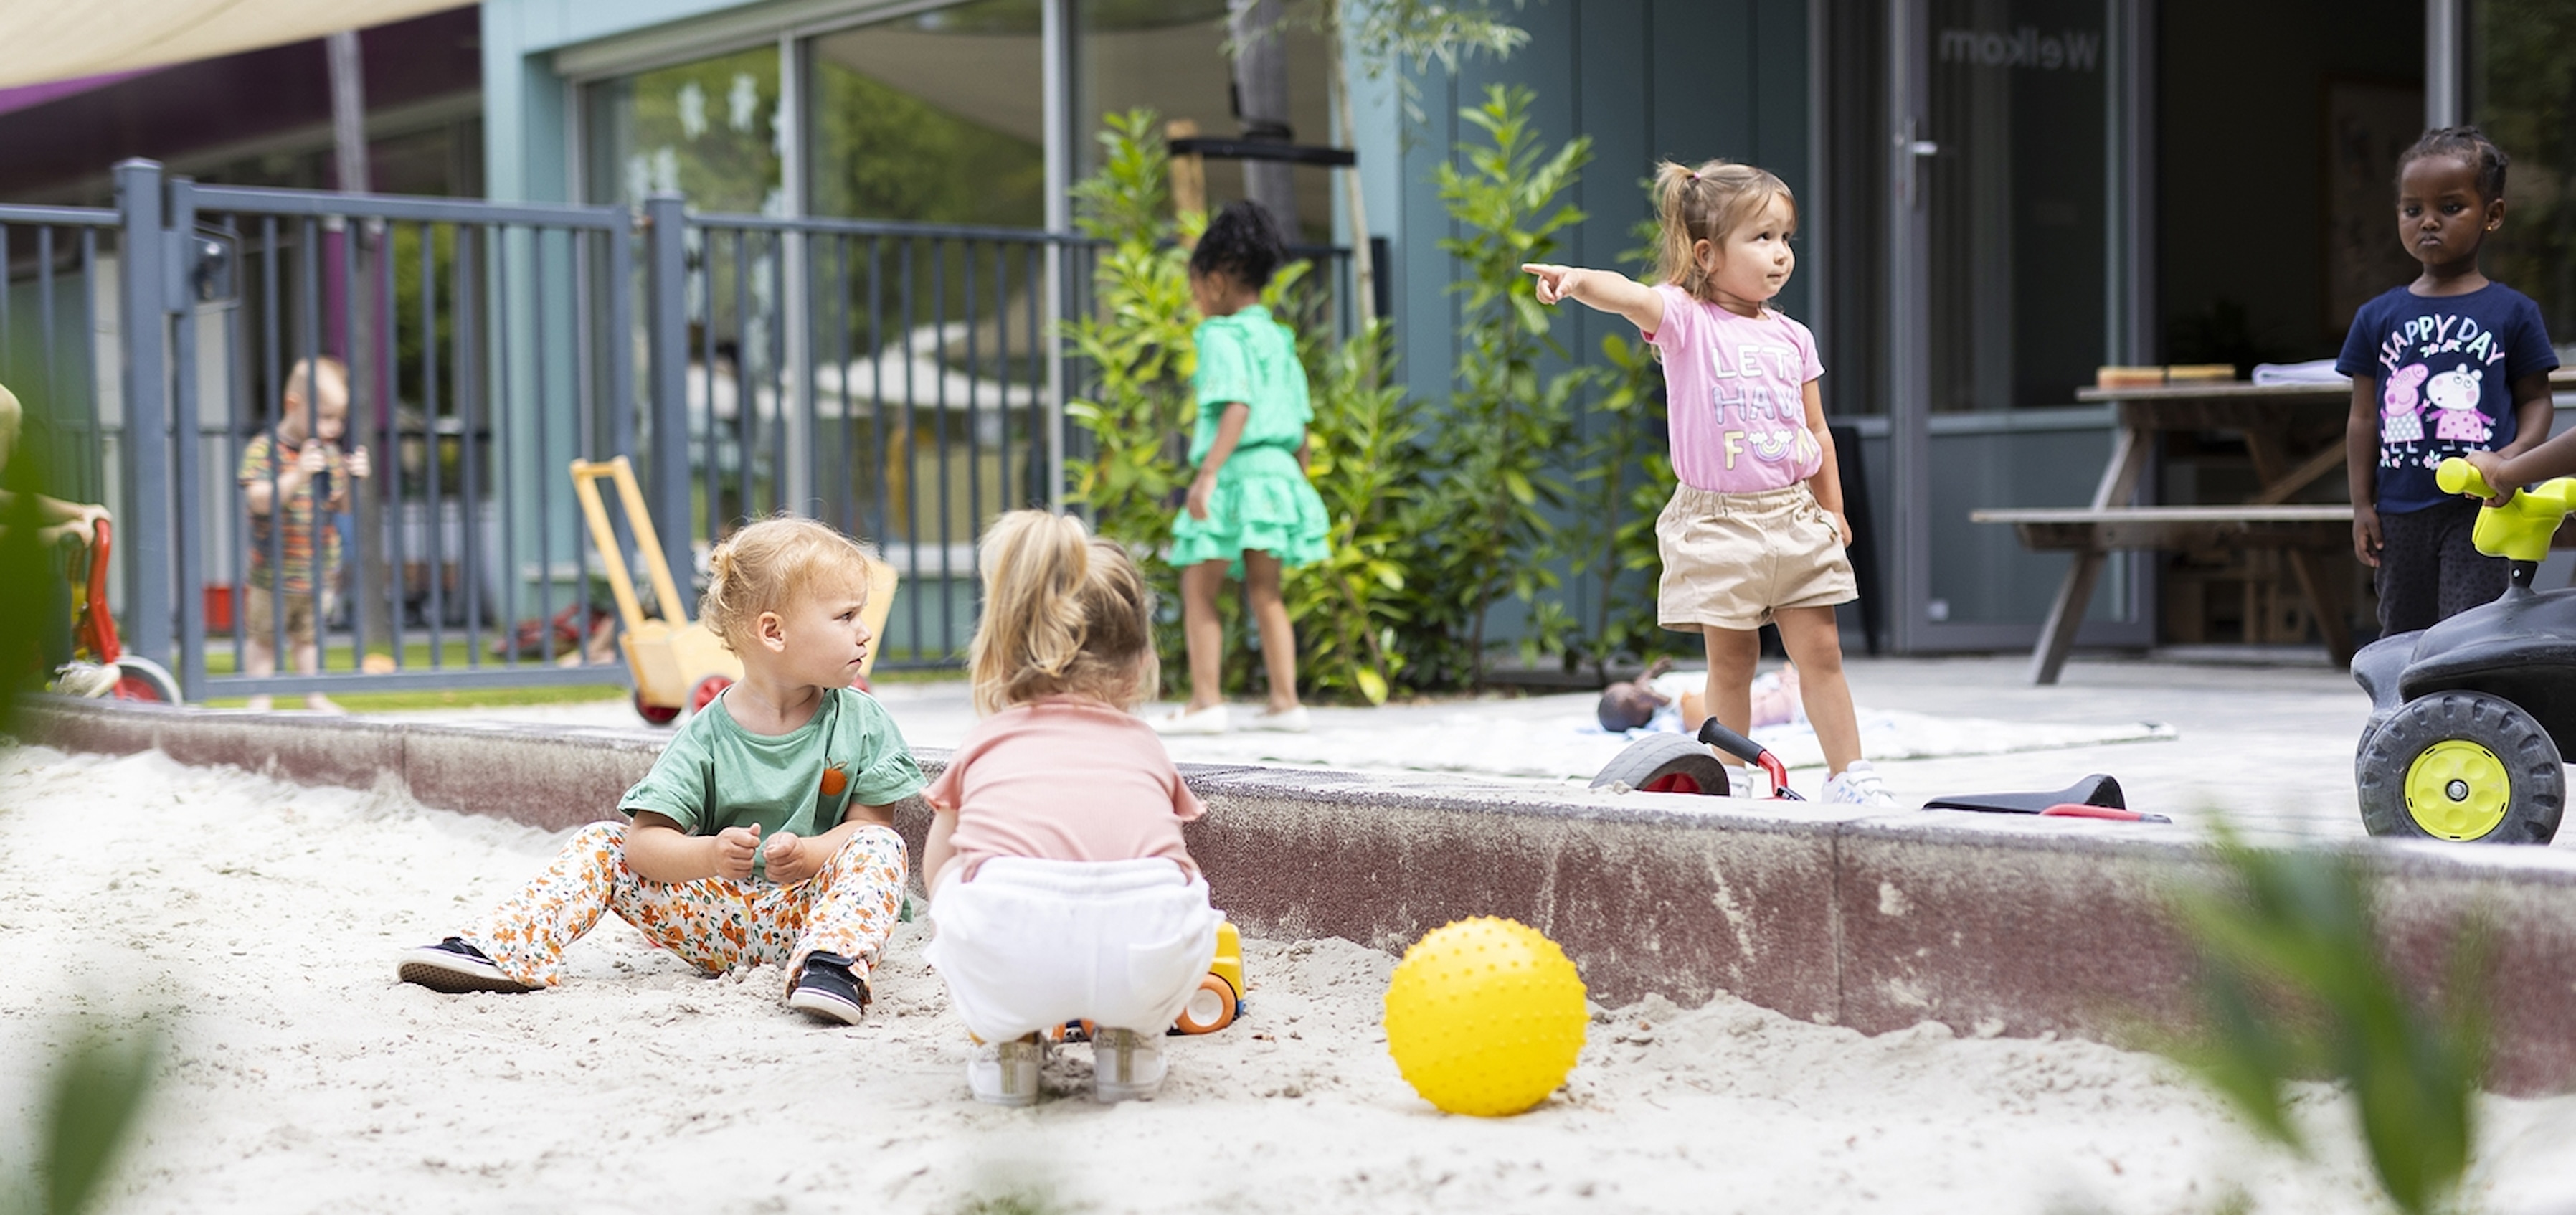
<point x="100" y="667"/>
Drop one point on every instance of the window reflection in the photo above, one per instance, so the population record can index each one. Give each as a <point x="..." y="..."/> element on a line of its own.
<point x="2522" y="89"/>
<point x="1169" y="56"/>
<point x="936" y="118"/>
<point x="708" y="129"/>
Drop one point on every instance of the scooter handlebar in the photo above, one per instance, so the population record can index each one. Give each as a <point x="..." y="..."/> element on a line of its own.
<point x="2458" y="476"/>
<point x="2521" y="528"/>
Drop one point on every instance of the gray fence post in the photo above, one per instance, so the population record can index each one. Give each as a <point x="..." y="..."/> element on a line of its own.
<point x="193" y="531"/>
<point x="666" y="263"/>
<point x="143" y="321"/>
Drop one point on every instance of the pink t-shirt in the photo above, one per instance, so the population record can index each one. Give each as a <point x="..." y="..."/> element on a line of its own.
<point x="1736" y="387"/>
<point x="1064" y="779"/>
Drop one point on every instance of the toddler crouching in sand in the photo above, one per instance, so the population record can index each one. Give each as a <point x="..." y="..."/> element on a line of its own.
<point x="792" y="753"/>
<point x="1060" y="888"/>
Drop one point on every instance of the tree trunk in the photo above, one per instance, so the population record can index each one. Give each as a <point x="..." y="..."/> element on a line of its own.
<point x="1363" y="258"/>
<point x="368" y="351"/>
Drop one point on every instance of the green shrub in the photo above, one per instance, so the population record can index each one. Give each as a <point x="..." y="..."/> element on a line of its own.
<point x="1135" y="347"/>
<point x="1497" y="442"/>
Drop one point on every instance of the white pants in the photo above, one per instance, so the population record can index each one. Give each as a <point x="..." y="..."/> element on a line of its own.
<point x="1031" y="944"/>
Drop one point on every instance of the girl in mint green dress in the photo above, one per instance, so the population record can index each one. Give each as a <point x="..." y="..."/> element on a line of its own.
<point x="1251" y="512"/>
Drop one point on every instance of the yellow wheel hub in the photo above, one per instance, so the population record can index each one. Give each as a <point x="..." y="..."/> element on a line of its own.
<point x="2457" y="790"/>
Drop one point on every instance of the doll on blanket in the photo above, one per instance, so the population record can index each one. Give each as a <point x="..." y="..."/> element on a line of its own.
<point x="1636" y="703"/>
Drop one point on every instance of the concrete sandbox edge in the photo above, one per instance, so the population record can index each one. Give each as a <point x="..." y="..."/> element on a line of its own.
<point x="1990" y="925"/>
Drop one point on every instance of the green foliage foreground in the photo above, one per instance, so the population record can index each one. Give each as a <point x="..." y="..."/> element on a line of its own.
<point x="85" y="1118"/>
<point x="98" y="1084"/>
<point x="2295" y="986"/>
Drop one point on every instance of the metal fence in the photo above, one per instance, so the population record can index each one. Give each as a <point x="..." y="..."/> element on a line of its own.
<point x="479" y="353"/>
<point x="900" y="381"/>
<point x="911" y="403"/>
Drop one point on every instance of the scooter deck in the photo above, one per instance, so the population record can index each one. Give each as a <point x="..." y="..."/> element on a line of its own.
<point x="2095" y="790"/>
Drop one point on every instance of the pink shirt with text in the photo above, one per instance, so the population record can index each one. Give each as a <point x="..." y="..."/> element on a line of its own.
<point x="1736" y="392"/>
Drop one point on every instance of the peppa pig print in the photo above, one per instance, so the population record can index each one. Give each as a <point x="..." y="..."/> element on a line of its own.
<point x="2442" y="369"/>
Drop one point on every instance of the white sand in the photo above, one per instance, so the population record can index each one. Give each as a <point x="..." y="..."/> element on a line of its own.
<point x="265" y="917"/>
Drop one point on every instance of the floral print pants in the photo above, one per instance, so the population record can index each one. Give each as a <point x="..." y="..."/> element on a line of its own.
<point x="715" y="924"/>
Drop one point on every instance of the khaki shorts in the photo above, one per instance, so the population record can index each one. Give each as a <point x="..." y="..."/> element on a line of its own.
<point x="259" y="616"/>
<point x="1732" y="560"/>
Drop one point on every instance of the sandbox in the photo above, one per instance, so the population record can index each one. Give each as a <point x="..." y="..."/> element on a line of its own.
<point x="266" y="914"/>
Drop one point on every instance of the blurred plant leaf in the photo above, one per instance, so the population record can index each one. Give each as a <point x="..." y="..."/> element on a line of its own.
<point x="30" y="582"/>
<point x="2294" y="986"/>
<point x="88" y="1113"/>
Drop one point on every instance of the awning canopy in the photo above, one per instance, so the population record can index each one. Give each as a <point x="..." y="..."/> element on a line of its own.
<point x="59" y="40"/>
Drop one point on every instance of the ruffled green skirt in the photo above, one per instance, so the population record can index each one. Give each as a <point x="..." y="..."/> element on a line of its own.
<point x="1262" y="501"/>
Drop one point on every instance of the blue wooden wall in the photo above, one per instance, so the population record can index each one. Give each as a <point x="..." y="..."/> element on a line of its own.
<point x="1648" y="80"/>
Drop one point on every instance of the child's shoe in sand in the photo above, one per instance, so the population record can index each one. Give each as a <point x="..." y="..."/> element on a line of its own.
<point x="1291" y="720"/>
<point x="1125" y="1065"/>
<point x="1858" y="785"/>
<point x="826" y="990"/>
<point x="1006" y="1073"/>
<point x="454" y="967"/>
<point x="1210" y="720"/>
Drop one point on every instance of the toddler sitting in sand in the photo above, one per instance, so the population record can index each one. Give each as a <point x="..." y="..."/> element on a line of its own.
<point x="1060" y="888"/>
<point x="791" y="753"/>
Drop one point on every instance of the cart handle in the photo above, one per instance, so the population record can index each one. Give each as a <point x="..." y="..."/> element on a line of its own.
<point x="586" y="475"/>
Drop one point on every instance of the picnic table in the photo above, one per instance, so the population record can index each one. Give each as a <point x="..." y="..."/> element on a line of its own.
<point x="2309" y="536"/>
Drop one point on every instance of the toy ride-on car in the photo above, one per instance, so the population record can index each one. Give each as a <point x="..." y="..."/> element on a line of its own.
<point x="2470" y="718"/>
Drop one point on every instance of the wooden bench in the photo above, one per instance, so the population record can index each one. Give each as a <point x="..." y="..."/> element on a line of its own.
<point x="2111" y="529"/>
<point x="2309" y="536"/>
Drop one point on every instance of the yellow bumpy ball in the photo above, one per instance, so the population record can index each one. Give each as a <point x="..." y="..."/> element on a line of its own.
<point x="1485" y="1016"/>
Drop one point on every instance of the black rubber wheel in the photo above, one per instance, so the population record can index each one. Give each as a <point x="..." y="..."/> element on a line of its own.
<point x="1666" y="763"/>
<point x="2461" y="766"/>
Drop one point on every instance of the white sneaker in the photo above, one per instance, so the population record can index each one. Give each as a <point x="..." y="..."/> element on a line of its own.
<point x="1006" y="1073"/>
<point x="1210" y="720"/>
<point x="1125" y="1065"/>
<point x="1858" y="785"/>
<point x="1291" y="722"/>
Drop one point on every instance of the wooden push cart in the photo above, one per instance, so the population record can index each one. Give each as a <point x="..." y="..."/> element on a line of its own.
<point x="678" y="663"/>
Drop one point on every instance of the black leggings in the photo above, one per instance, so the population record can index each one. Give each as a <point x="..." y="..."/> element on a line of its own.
<point x="2428" y="570"/>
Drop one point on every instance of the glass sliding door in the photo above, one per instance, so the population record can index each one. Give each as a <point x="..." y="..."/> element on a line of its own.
<point x="2016" y="202"/>
<point x="2010" y="236"/>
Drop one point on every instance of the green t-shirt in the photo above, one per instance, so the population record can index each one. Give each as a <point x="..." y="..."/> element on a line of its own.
<point x="1251" y="358"/>
<point x="715" y="774"/>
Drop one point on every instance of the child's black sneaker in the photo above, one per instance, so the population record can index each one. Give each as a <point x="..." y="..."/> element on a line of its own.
<point x="826" y="990"/>
<point x="454" y="967"/>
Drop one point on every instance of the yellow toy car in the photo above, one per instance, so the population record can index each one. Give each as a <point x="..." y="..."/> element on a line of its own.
<point x="1215" y="1005"/>
<point x="1220" y="995"/>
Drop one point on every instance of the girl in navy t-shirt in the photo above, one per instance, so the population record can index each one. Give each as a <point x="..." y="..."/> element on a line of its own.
<point x="2443" y="366"/>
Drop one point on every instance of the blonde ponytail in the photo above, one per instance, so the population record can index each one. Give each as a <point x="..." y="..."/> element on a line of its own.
<point x="1064" y="612"/>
